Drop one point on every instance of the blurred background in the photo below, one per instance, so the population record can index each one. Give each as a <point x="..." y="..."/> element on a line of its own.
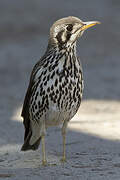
<point x="24" y="30"/>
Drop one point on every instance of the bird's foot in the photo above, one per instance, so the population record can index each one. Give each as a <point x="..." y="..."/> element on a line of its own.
<point x="44" y="163"/>
<point x="63" y="160"/>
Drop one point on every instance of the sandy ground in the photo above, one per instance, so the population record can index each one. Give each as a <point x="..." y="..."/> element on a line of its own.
<point x="93" y="138"/>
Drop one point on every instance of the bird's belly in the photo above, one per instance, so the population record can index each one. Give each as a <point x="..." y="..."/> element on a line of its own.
<point x="54" y="117"/>
<point x="58" y="104"/>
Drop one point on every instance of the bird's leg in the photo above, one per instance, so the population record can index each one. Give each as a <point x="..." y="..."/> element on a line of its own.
<point x="44" y="162"/>
<point x="64" y="148"/>
<point x="64" y="127"/>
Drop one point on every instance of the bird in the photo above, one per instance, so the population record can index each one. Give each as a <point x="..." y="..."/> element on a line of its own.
<point x="56" y="85"/>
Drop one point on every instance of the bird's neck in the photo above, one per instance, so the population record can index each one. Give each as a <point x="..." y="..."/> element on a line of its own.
<point x="66" y="58"/>
<point x="66" y="50"/>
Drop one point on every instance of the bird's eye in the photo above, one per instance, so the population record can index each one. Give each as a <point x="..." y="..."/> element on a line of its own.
<point x="69" y="27"/>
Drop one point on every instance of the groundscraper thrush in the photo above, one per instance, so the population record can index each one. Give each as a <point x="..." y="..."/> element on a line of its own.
<point x="56" y="85"/>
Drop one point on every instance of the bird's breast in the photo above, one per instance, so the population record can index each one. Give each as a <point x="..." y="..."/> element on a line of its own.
<point x="57" y="93"/>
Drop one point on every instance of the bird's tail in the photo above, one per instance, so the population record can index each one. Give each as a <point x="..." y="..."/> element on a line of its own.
<point x="31" y="139"/>
<point x="26" y="146"/>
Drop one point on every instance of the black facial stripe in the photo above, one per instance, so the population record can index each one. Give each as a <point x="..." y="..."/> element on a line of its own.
<point x="59" y="37"/>
<point x="68" y="37"/>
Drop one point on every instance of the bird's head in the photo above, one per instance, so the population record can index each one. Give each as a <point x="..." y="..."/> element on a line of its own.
<point x="67" y="30"/>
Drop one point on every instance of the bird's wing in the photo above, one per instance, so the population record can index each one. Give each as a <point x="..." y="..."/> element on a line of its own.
<point x="28" y="94"/>
<point x="26" y="100"/>
<point x="37" y="67"/>
<point x="25" y="109"/>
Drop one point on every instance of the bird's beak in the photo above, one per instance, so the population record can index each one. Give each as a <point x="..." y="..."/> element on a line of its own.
<point x="89" y="24"/>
